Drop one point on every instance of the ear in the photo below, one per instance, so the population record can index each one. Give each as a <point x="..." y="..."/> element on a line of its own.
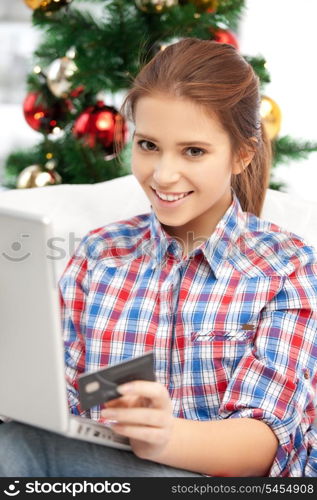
<point x="243" y="158"/>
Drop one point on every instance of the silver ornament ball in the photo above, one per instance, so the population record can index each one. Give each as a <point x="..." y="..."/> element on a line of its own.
<point x="59" y="74"/>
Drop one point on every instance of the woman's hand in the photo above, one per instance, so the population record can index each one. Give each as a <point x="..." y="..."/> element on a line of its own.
<point x="144" y="415"/>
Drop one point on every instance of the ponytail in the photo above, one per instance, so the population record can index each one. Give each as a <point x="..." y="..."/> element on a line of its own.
<point x="250" y="186"/>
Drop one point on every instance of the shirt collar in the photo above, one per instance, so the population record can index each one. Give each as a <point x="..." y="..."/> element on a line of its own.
<point x="216" y="249"/>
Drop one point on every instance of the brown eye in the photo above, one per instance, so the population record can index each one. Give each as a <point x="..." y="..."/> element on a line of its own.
<point x="140" y="144"/>
<point x="196" y="150"/>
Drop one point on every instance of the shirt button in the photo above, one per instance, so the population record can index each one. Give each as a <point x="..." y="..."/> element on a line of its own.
<point x="306" y="373"/>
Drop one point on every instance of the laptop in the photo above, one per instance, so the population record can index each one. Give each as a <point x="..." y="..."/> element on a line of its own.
<point x="32" y="371"/>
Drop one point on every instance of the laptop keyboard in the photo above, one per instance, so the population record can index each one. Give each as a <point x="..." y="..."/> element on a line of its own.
<point x="87" y="428"/>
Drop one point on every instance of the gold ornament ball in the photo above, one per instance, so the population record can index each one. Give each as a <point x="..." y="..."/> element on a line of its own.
<point x="58" y="75"/>
<point x="33" y="4"/>
<point x="46" y="5"/>
<point x="155" y="6"/>
<point x="36" y="176"/>
<point x="271" y="116"/>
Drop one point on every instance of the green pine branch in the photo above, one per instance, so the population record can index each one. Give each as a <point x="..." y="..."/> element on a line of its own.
<point x="120" y="39"/>
<point x="110" y="49"/>
<point x="287" y="149"/>
<point x="277" y="185"/>
<point x="258" y="63"/>
<point x="106" y="50"/>
<point x="230" y="12"/>
<point x="76" y="163"/>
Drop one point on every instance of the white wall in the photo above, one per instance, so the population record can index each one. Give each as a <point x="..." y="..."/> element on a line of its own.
<point x="18" y="40"/>
<point x="283" y="31"/>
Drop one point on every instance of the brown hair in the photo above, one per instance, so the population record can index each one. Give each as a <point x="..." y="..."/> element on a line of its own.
<point x="217" y="77"/>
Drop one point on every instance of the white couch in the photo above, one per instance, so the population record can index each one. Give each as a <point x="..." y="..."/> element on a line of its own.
<point x="76" y="209"/>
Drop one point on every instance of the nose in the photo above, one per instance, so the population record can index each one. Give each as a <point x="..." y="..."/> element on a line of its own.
<point x="166" y="172"/>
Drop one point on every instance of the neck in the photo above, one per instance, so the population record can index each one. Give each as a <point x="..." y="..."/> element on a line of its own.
<point x="194" y="233"/>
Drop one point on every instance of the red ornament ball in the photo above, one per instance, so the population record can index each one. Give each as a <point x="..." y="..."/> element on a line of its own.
<point x="225" y="36"/>
<point x="40" y="116"/>
<point x="103" y="125"/>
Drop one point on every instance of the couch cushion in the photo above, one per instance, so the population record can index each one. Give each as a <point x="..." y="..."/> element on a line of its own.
<point x="292" y="214"/>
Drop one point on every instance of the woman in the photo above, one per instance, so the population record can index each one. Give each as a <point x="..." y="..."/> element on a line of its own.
<point x="226" y="301"/>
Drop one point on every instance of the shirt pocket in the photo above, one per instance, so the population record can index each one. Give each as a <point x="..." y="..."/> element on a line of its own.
<point x="229" y="340"/>
<point x="211" y="358"/>
<point x="225" y="344"/>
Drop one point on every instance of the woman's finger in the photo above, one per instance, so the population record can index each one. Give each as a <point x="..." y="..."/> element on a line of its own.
<point x="149" y="435"/>
<point x="153" y="391"/>
<point x="127" y="401"/>
<point x="138" y="416"/>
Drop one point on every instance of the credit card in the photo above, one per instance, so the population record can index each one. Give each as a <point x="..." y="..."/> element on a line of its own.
<point x="98" y="387"/>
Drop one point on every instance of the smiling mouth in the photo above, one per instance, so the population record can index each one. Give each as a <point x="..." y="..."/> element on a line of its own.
<point x="174" y="196"/>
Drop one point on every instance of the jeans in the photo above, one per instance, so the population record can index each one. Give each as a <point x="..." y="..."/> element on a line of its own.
<point x="27" y="451"/>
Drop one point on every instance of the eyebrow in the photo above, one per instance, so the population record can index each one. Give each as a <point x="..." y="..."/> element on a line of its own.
<point x="145" y="136"/>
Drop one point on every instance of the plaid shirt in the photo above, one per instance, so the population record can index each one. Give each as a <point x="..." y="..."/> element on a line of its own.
<point x="233" y="327"/>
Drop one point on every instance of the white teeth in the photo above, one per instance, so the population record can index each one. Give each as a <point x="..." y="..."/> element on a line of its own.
<point x="169" y="197"/>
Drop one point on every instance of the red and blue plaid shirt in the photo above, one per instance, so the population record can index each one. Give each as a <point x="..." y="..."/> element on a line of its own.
<point x="233" y="326"/>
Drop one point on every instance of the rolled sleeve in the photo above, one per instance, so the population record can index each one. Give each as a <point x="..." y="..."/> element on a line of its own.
<point x="276" y="379"/>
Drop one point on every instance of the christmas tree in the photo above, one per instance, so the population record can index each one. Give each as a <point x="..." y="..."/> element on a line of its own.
<point x="88" y="58"/>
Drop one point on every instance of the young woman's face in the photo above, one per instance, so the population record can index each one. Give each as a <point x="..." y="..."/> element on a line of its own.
<point x="177" y="149"/>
